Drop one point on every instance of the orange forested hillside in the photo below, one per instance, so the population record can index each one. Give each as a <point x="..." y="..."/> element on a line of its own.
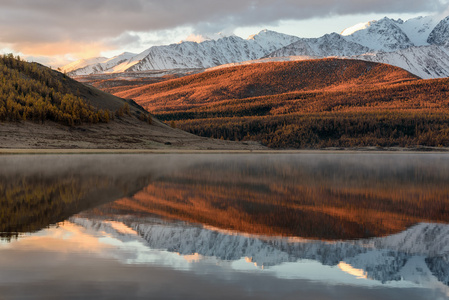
<point x="263" y="79"/>
<point x="306" y="104"/>
<point x="324" y="200"/>
<point x="32" y="92"/>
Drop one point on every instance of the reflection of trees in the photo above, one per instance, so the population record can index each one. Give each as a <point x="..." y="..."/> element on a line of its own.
<point x="31" y="203"/>
<point x="331" y="199"/>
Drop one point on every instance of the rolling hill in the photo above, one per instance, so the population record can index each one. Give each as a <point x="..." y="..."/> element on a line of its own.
<point x="306" y="104"/>
<point x="262" y="80"/>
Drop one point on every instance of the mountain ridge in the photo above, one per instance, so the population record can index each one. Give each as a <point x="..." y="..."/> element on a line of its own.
<point x="372" y="38"/>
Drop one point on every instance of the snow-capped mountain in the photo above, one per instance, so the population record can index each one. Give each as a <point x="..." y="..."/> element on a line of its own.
<point x="209" y="53"/>
<point x="440" y="34"/>
<point x="419" y="255"/>
<point x="425" y="61"/>
<point x="418" y="29"/>
<point x="189" y="55"/>
<point x="328" y="45"/>
<point x="416" y="45"/>
<point x="381" y="35"/>
<point x="82" y="63"/>
<point x="98" y="65"/>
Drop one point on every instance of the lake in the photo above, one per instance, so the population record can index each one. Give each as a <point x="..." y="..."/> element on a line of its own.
<point x="313" y="225"/>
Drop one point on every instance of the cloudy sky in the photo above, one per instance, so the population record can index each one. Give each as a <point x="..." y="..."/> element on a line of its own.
<point x="57" y="31"/>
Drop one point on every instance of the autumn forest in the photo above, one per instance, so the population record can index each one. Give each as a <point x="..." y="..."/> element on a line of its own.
<point x="308" y="104"/>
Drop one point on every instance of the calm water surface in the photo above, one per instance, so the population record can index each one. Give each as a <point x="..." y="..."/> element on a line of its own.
<point x="298" y="226"/>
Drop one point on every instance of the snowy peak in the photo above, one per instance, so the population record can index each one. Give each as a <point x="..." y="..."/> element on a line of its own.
<point x="97" y="65"/>
<point x="270" y="35"/>
<point x="271" y="41"/>
<point x="82" y="63"/>
<point x="424" y="61"/>
<point x="328" y="45"/>
<point x="210" y="53"/>
<point x="119" y="58"/>
<point x="197" y="52"/>
<point x="355" y="28"/>
<point x="440" y="34"/>
<point x="418" y="29"/>
<point x="382" y="35"/>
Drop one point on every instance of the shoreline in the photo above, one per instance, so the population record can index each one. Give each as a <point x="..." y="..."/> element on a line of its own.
<point x="8" y="151"/>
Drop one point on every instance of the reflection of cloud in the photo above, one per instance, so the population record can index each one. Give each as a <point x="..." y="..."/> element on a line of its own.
<point x="359" y="273"/>
<point x="193" y="258"/>
<point x="250" y="261"/>
<point x="66" y="238"/>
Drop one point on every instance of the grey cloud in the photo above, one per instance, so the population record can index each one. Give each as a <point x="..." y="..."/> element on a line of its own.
<point x="52" y="21"/>
<point x="124" y="39"/>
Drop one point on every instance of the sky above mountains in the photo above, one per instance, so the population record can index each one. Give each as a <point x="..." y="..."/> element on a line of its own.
<point x="56" y="31"/>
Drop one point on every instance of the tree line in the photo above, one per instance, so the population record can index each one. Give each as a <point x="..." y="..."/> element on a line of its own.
<point x="405" y="115"/>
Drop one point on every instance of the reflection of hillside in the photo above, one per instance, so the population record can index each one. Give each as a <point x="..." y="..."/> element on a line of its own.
<point x="315" y="198"/>
<point x="29" y="204"/>
<point x="42" y="190"/>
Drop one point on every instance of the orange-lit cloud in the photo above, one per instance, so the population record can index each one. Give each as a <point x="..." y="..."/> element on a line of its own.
<point x="65" y="239"/>
<point x="83" y="49"/>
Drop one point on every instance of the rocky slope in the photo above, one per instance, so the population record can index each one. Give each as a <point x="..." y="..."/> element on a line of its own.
<point x="440" y="34"/>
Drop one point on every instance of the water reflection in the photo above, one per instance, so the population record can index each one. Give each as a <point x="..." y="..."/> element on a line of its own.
<point x="413" y="255"/>
<point x="250" y="226"/>
<point x="412" y="263"/>
<point x="314" y="196"/>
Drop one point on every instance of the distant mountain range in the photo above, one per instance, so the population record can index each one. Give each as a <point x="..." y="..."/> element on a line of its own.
<point x="419" y="45"/>
<point x="187" y="55"/>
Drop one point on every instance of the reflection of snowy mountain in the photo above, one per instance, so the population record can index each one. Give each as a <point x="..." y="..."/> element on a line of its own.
<point x="419" y="255"/>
